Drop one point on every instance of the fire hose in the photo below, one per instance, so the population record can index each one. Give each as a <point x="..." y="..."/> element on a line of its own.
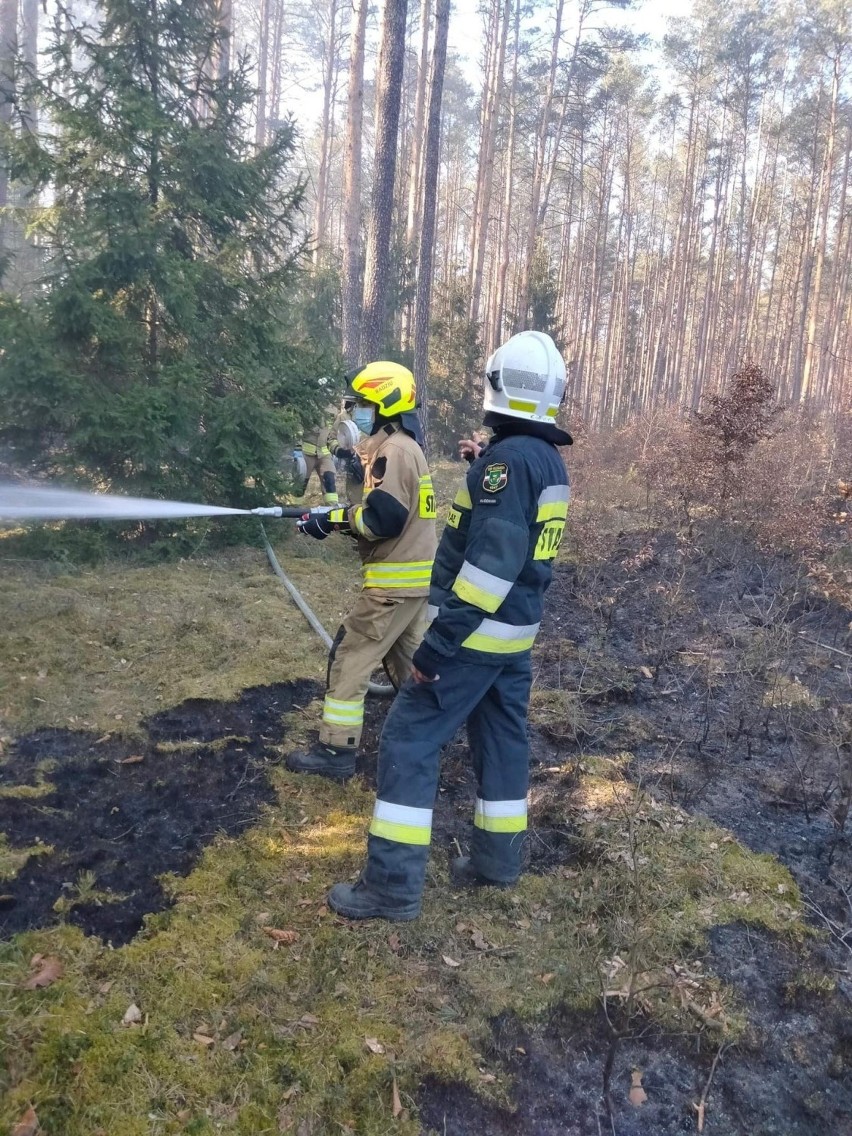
<point x="381" y="689"/>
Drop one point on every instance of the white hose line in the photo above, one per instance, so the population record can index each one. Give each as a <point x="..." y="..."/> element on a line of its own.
<point x="382" y="689"/>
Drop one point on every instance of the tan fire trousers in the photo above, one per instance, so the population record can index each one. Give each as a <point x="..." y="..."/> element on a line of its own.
<point x="378" y="629"/>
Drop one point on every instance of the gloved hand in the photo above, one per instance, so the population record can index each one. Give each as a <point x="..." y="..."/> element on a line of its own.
<point x="356" y="469"/>
<point x="318" y="523"/>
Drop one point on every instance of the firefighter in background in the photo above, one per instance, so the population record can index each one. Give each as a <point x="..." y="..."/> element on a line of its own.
<point x="344" y="437"/>
<point x="395" y="532"/>
<point x="313" y="455"/>
<point x="492" y="569"/>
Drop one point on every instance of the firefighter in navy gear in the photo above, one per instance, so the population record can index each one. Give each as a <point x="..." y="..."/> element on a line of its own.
<point x="492" y="568"/>
<point x="395" y="532"/>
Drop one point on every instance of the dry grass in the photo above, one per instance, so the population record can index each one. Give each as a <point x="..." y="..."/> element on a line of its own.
<point x="242" y="1038"/>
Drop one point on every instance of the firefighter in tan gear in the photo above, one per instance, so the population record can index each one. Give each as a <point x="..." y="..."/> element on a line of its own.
<point x="395" y="531"/>
<point x="344" y="438"/>
<point x="313" y="455"/>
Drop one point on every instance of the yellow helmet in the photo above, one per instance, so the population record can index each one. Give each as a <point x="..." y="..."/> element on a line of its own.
<point x="389" y="385"/>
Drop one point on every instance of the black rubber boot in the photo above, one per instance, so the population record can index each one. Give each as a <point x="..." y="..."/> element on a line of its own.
<point x="336" y="762"/>
<point x="463" y="873"/>
<point x="360" y="901"/>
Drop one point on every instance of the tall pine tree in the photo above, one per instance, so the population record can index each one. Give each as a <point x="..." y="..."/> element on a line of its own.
<point x="162" y="354"/>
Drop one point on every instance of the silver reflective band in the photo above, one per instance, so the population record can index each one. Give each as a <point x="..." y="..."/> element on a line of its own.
<point x="507" y="631"/>
<point x="501" y="808"/>
<point x="554" y="493"/>
<point x="432" y="611"/>
<point x="402" y="814"/>
<point x="493" y="585"/>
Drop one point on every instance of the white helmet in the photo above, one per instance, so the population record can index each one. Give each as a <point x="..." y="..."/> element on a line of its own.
<point x="525" y="378"/>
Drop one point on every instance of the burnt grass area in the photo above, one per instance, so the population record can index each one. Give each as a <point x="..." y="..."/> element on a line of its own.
<point x="723" y="673"/>
<point x="121" y="813"/>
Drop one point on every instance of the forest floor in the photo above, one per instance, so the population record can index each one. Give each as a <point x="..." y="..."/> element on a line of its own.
<point x="678" y="957"/>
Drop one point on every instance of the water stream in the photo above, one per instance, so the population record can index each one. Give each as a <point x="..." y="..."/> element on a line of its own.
<point x="42" y="503"/>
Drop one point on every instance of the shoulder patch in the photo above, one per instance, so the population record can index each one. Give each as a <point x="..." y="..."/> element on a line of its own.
<point x="496" y="477"/>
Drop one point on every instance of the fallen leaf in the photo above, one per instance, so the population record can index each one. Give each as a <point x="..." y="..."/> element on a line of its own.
<point x="49" y="969"/>
<point x="374" y="1045"/>
<point x="487" y="1078"/>
<point x="520" y="1049"/>
<point x="105" y="988"/>
<point x="184" y="1115"/>
<point x="132" y="1015"/>
<point x="308" y="1021"/>
<point x="479" y="941"/>
<point x="280" y="936"/>
<point x="396" y="1107"/>
<point x="637" y="1094"/>
<point x="203" y="1039"/>
<point x="394" y="942"/>
<point x="647" y="672"/>
<point x="27" y="1125"/>
<point x="450" y="961"/>
<point x="546" y="978"/>
<point x="134" y="759"/>
<point x="232" y="1041"/>
<point x="262" y="917"/>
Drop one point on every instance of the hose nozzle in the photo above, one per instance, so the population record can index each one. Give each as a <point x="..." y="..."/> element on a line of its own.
<point x="268" y="511"/>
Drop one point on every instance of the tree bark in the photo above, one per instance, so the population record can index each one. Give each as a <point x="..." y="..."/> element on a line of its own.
<point x="351" y="268"/>
<point x="423" y="299"/>
<point x="377" y="266"/>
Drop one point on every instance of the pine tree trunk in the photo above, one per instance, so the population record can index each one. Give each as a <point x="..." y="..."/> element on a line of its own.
<point x="488" y="142"/>
<point x="430" y="196"/>
<point x="8" y="51"/>
<point x="496" y="333"/>
<point x="415" y="172"/>
<point x="262" y="72"/>
<point x="329" y="70"/>
<point x="377" y="265"/>
<point x="351" y="268"/>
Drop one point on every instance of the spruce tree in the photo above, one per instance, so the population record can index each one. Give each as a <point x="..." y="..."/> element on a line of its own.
<point x="161" y="355"/>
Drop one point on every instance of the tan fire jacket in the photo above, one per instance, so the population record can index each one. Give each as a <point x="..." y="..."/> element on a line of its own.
<point x="315" y="442"/>
<point x="395" y="525"/>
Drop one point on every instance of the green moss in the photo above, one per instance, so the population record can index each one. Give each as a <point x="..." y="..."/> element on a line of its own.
<point x="13" y="859"/>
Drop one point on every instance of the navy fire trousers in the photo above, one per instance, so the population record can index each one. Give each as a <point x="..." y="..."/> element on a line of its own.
<point x="492" y="697"/>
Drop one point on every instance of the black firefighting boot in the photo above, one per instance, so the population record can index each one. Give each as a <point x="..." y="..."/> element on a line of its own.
<point x="336" y="762"/>
<point x="361" y="901"/>
<point x="464" y="874"/>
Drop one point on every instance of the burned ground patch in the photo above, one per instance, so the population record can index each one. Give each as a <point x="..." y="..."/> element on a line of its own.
<point x="104" y="817"/>
<point x="791" y="1072"/>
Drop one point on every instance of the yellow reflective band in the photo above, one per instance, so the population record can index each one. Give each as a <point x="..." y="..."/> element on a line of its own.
<point x="549" y="540"/>
<point x="402" y="823"/>
<point x="481" y="588"/>
<point x="454" y="518"/>
<point x="428" y="509"/>
<point x="524" y="407"/>
<point x="553" y="510"/>
<point x="309" y="448"/>
<point x="417" y="573"/>
<point x="500" y="816"/>
<point x="552" y="411"/>
<point x="462" y="500"/>
<point x="330" y="499"/>
<point x="337" y="516"/>
<point x="359" y="520"/>
<point x="472" y="594"/>
<point x="501" y="638"/>
<point x="324" y="451"/>
<point x="432" y="611"/>
<point x="339" y="713"/>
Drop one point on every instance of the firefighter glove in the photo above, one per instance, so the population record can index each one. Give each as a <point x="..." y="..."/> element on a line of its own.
<point x="318" y="523"/>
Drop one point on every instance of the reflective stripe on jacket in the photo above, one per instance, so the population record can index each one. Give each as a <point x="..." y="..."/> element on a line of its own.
<point x="495" y="559"/>
<point x="395" y="523"/>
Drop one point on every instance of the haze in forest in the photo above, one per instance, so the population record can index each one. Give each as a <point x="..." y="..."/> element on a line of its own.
<point x="663" y="190"/>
